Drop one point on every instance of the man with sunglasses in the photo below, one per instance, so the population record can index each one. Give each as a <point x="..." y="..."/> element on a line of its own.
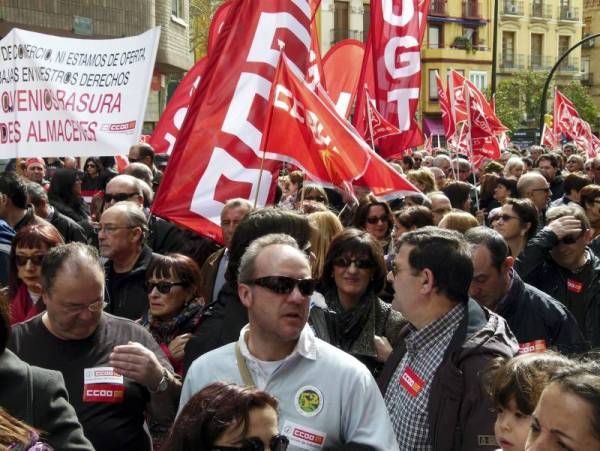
<point x="559" y="262"/>
<point x="114" y="371"/>
<point x="534" y="186"/>
<point x="144" y="153"/>
<point x="326" y="398"/>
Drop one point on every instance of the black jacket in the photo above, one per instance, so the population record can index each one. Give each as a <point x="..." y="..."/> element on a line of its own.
<point x="69" y="229"/>
<point x="128" y="297"/>
<point x="461" y="415"/>
<point x="533" y="315"/>
<point x="536" y="267"/>
<point x="39" y="398"/>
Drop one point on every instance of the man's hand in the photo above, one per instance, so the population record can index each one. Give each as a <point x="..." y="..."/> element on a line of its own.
<point x="383" y="348"/>
<point x="565" y="226"/>
<point x="136" y="362"/>
<point x="177" y="346"/>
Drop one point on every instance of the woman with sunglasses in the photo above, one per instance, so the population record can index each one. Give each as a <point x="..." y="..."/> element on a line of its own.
<point x="353" y="275"/>
<point x="376" y="218"/>
<point x="29" y="246"/>
<point x="173" y="282"/>
<point x="517" y="222"/>
<point x="227" y="417"/>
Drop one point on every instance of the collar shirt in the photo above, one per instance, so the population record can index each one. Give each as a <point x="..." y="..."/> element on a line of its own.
<point x="407" y="395"/>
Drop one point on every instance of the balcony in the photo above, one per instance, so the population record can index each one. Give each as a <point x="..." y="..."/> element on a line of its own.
<point x="540" y="12"/>
<point x="471" y="9"/>
<point x="438" y="8"/>
<point x="512" y="8"/>
<point x="568" y="14"/>
<point x="540" y="62"/>
<point x="569" y="66"/>
<point x="587" y="79"/>
<point x="339" y="34"/>
<point x="511" y="62"/>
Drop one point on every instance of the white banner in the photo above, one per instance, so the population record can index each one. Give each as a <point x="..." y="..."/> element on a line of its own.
<point x="64" y="96"/>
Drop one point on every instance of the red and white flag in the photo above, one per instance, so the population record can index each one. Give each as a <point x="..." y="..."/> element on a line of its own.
<point x="305" y="130"/>
<point x="564" y="114"/>
<point x="548" y="138"/>
<point x="378" y="127"/>
<point x="217" y="155"/>
<point x="447" y="116"/>
<point x="482" y="132"/>
<point x="456" y="83"/>
<point x="216" y="24"/>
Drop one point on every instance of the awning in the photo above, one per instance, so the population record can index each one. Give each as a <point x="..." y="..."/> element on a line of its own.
<point x="433" y="126"/>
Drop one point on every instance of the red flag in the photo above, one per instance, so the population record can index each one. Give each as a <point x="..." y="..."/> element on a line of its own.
<point x="379" y="127"/>
<point x="165" y="134"/>
<point x="564" y="114"/>
<point x="548" y="138"/>
<point x="366" y="81"/>
<point x="216" y="24"/>
<point x="481" y="126"/>
<point x="305" y="130"/>
<point x="427" y="147"/>
<point x="315" y="75"/>
<point x="478" y="97"/>
<point x="447" y="116"/>
<point x="398" y="27"/>
<point x="217" y="155"/>
<point x="456" y="84"/>
<point x="341" y="66"/>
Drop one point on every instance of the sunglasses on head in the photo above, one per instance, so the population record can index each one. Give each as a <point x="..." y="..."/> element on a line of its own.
<point x="376" y="219"/>
<point x="163" y="287"/>
<point x="278" y="443"/>
<point x="36" y="260"/>
<point x="360" y="263"/>
<point x="285" y="285"/>
<point x="118" y="197"/>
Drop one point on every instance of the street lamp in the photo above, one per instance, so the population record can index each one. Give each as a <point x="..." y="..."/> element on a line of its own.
<point x="494" y="47"/>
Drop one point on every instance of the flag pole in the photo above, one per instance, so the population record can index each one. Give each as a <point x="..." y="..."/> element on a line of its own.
<point x="468" y="102"/>
<point x="369" y="118"/>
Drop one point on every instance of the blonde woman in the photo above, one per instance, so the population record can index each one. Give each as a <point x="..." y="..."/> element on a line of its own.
<point x="422" y="179"/>
<point x="325" y="225"/>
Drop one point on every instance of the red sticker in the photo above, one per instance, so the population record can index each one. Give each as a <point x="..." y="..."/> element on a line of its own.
<point x="574" y="286"/>
<point x="532" y="346"/>
<point x="412" y="383"/>
<point x="105" y="393"/>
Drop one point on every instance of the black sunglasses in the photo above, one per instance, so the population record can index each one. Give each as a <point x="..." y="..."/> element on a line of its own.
<point x="118" y="197"/>
<point x="360" y="263"/>
<point x="164" y="287"/>
<point x="278" y="443"/>
<point x="36" y="260"/>
<point x="285" y="285"/>
<point x="572" y="239"/>
<point x="376" y="219"/>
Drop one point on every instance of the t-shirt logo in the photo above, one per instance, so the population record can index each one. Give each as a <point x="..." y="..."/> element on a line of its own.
<point x="103" y="385"/>
<point x="309" y="401"/>
<point x="574" y="286"/>
<point x="532" y="346"/>
<point x="411" y="382"/>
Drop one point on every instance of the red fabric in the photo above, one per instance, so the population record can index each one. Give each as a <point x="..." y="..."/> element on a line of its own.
<point x="305" y="130"/>
<point x="481" y="126"/>
<point x="316" y="74"/>
<point x="341" y="67"/>
<point x="22" y="307"/>
<point x="217" y="24"/>
<point x="447" y="116"/>
<point x="366" y="82"/>
<point x="400" y="25"/>
<point x="380" y="128"/>
<point x="165" y="134"/>
<point x="564" y="114"/>
<point x="456" y="84"/>
<point x="217" y="155"/>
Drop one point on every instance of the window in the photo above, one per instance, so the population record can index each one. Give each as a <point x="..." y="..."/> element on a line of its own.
<point x="177" y="8"/>
<point x="433" y="93"/>
<point x="366" y="21"/>
<point x="508" y="49"/>
<point x="479" y="79"/>
<point x="340" y="21"/>
<point x="434" y="37"/>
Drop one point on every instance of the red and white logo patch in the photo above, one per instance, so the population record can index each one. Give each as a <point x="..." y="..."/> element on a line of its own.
<point x="574" y="286"/>
<point x="103" y="384"/>
<point x="411" y="382"/>
<point x="532" y="346"/>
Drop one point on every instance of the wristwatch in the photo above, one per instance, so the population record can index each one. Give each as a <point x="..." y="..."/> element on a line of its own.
<point x="163" y="384"/>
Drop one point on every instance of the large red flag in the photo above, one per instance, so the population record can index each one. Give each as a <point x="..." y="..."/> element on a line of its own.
<point x="165" y="134"/>
<point x="341" y="66"/>
<point x="366" y="81"/>
<point x="564" y="114"/>
<point x="456" y="84"/>
<point x="447" y="116"/>
<point x="305" y="130"/>
<point x="481" y="127"/>
<point x="216" y="24"/>
<point x="397" y="30"/>
<point x="487" y="108"/>
<point x="217" y="155"/>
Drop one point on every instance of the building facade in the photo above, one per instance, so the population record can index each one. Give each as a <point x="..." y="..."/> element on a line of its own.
<point x="97" y="19"/>
<point x="590" y="50"/>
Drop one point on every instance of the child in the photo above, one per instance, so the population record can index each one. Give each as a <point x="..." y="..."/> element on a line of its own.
<point x="516" y="386"/>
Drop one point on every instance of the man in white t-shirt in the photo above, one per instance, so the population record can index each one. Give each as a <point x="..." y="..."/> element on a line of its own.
<point x="327" y="398"/>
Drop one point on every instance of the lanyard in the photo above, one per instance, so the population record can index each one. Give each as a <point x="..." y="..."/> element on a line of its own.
<point x="243" y="368"/>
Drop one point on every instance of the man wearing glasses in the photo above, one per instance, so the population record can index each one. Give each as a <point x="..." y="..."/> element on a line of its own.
<point x="559" y="262"/>
<point x="431" y="382"/>
<point x="113" y="369"/>
<point x="121" y="234"/>
<point x="534" y="186"/>
<point x="327" y="399"/>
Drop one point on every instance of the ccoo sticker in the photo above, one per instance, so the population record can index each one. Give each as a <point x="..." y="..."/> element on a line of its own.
<point x="309" y="401"/>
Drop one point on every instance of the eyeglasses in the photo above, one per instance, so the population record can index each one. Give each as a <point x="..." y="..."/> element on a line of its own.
<point x="277" y="443"/>
<point x="360" y="263"/>
<point x="376" y="219"/>
<point x="285" y="285"/>
<point x="572" y="239"/>
<point x="133" y="160"/>
<point x="93" y="307"/>
<point x="547" y="190"/>
<point x="164" y="287"/>
<point x="109" y="229"/>
<point x="118" y="197"/>
<point x="505" y="218"/>
<point x="36" y="260"/>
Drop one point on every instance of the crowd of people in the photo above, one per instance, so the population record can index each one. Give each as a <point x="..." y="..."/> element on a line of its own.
<point x="464" y="317"/>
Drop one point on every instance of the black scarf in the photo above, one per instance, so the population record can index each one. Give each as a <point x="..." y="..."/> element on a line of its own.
<point x="165" y="330"/>
<point x="349" y="323"/>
